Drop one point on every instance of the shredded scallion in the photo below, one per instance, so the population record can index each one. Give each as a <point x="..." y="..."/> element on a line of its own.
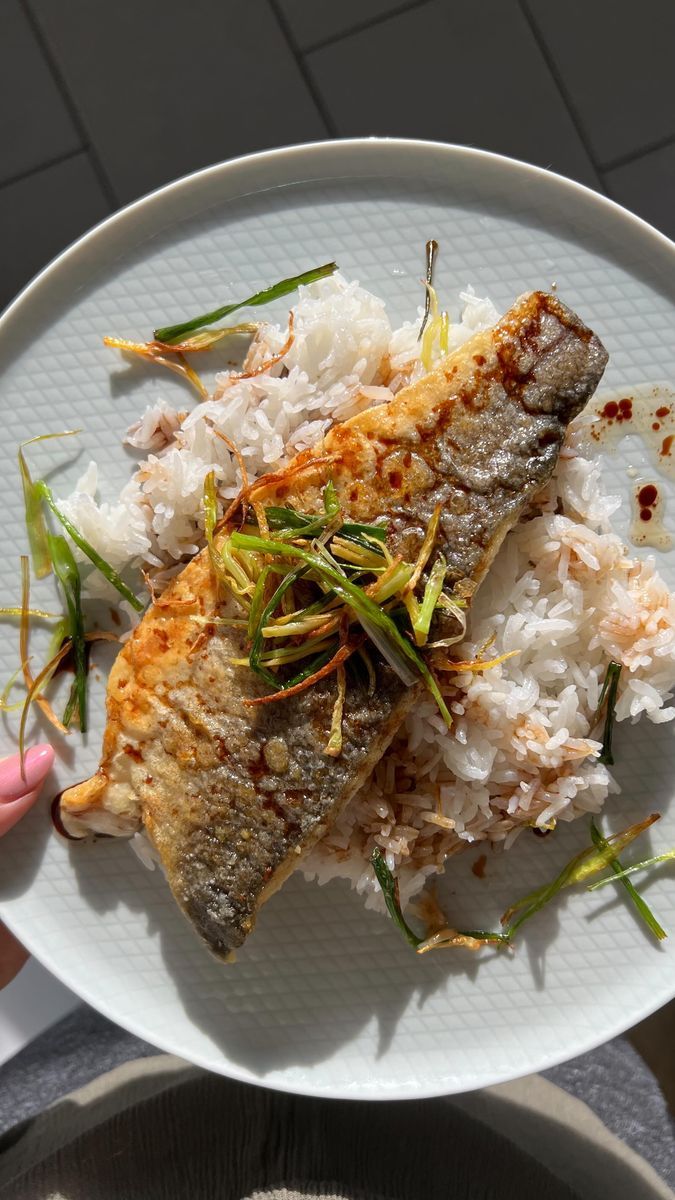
<point x="589" y="861"/>
<point x="100" y="563"/>
<point x="440" y="940"/>
<point x="608" y="693"/>
<point x="640" y="904"/>
<point x="35" y="521"/>
<point x="175" y="333"/>
<point x="667" y="856"/>
<point x="401" y="654"/>
<point x="65" y="569"/>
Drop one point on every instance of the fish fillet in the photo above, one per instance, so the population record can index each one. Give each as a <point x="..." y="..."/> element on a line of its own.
<point x="233" y="797"/>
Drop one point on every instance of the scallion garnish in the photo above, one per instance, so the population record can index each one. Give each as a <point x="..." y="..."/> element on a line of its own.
<point x="589" y="861"/>
<point x="35" y="521"/>
<point x="174" y="333"/>
<point x="609" y="691"/>
<point x="5" y="706"/>
<point x="256" y="630"/>
<point x="440" y="940"/>
<point x="379" y="626"/>
<point x="431" y="251"/>
<point x="667" y="856"/>
<point x="390" y="891"/>
<point x="641" y="906"/>
<point x="15" y="611"/>
<point x="55" y="643"/>
<point x="100" y="563"/>
<point x="421" y="620"/>
<point x="318" y="669"/>
<point x="288" y="520"/>
<point x="34" y="694"/>
<point x="334" y="744"/>
<point x="65" y="569"/>
<point x="153" y="353"/>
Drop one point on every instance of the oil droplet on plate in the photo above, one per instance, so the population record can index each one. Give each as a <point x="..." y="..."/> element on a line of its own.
<point x="647" y="410"/>
<point x="647" y="527"/>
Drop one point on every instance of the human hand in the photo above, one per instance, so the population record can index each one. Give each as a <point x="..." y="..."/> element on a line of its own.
<point x="17" y="794"/>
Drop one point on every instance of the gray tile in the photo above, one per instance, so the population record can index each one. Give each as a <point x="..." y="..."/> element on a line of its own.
<point x="647" y="186"/>
<point x="162" y="90"/>
<point x="312" y="21"/>
<point x="432" y="73"/>
<point x="616" y="65"/>
<point x="34" y="123"/>
<point x="43" y="213"/>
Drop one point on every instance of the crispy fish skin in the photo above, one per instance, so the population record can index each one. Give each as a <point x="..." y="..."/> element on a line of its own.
<point x="233" y="797"/>
<point x="479" y="435"/>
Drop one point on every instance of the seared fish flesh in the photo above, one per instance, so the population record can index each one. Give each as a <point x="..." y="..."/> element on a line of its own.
<point x="233" y="797"/>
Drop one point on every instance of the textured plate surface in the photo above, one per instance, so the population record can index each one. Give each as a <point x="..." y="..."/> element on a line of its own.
<point x="326" y="999"/>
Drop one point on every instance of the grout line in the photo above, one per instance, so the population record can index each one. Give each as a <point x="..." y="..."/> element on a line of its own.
<point x="308" y="79"/>
<point x="564" y="93"/>
<point x="360" y="26"/>
<point x="633" y="155"/>
<point x="43" y="166"/>
<point x="73" y="111"/>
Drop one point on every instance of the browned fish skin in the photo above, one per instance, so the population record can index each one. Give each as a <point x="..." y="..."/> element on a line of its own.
<point x="233" y="797"/>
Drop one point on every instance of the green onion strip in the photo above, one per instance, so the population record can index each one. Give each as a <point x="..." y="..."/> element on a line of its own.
<point x="174" y="333"/>
<point x="377" y="624"/>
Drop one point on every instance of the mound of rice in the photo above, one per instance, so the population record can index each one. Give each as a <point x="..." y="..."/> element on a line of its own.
<point x="563" y="593"/>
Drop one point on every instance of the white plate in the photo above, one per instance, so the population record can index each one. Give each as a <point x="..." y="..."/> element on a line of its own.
<point x="326" y="999"/>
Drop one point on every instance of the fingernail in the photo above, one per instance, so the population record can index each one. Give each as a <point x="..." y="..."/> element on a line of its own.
<point x="37" y="763"/>
<point x="13" y="810"/>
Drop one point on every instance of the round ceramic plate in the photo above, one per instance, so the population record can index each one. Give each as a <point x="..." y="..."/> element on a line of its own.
<point x="326" y="998"/>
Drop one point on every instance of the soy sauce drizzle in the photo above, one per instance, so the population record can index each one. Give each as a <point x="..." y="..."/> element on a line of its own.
<point x="648" y="411"/>
<point x="647" y="526"/>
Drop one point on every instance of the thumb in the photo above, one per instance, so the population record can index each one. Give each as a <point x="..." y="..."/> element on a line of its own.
<point x="19" y="791"/>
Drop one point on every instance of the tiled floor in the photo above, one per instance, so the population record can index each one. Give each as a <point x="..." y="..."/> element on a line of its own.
<point x="100" y="103"/>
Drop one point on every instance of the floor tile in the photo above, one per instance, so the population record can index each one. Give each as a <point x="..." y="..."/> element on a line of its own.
<point x="42" y="214"/>
<point x="163" y="92"/>
<point x="616" y="65"/>
<point x="647" y="186"/>
<point x="34" y="123"/>
<point x="313" y="21"/>
<point x="445" y="80"/>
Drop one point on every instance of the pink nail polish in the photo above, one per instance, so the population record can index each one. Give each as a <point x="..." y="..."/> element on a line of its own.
<point x="37" y="764"/>
<point x="13" y="810"/>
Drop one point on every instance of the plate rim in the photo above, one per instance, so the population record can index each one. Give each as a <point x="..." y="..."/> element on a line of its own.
<point x="367" y="147"/>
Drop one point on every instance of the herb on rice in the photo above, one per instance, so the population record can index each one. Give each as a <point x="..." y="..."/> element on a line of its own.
<point x="609" y="693"/>
<point x="93" y="555"/>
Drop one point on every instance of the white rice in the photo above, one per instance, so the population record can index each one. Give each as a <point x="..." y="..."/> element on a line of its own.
<point x="563" y="593"/>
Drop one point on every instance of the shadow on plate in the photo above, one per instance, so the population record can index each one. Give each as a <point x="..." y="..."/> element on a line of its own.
<point x="321" y="967"/>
